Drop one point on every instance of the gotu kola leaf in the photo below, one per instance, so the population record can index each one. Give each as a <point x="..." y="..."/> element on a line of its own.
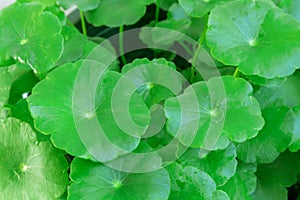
<point x="260" y="38"/>
<point x="45" y="3"/>
<point x="82" y="5"/>
<point x="71" y="113"/>
<point x="97" y="181"/>
<point x="271" y="140"/>
<point x="29" y="170"/>
<point x="275" y="177"/>
<point x="156" y="80"/>
<point x="222" y="107"/>
<point x="242" y="184"/>
<point x="115" y="13"/>
<point x="220" y="164"/>
<point x="30" y="36"/>
<point x="292" y="7"/>
<point x="192" y="183"/>
<point x="5" y="84"/>
<point x="198" y="8"/>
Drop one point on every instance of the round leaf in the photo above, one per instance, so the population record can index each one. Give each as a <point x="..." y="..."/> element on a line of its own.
<point x="260" y="38"/>
<point x="156" y="80"/>
<point x="72" y="120"/>
<point x="275" y="177"/>
<point x="45" y="3"/>
<point x="225" y="106"/>
<point x="271" y="140"/>
<point x="286" y="94"/>
<point x="82" y="5"/>
<point x="30" y="36"/>
<point x="28" y="169"/>
<point x="191" y="183"/>
<point x="74" y="43"/>
<point x="198" y="8"/>
<point x="242" y="184"/>
<point x="220" y="164"/>
<point x="115" y="13"/>
<point x="96" y="181"/>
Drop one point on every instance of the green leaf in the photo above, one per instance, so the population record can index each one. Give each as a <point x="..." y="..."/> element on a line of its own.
<point x="22" y="85"/>
<point x="30" y="36"/>
<point x="275" y="177"/>
<point x="82" y="5"/>
<point x="94" y="51"/>
<point x="219" y="108"/>
<point x="28" y="169"/>
<point x="104" y="112"/>
<point x="220" y="164"/>
<point x="291" y="124"/>
<point x="96" y="181"/>
<point x="176" y="12"/>
<point x="164" y="33"/>
<point x="21" y="111"/>
<point x="116" y="13"/>
<point x="198" y="8"/>
<point x="156" y="80"/>
<point x="287" y="94"/>
<point x="69" y="115"/>
<point x="271" y="140"/>
<point x="292" y="7"/>
<point x="166" y="4"/>
<point x="274" y="82"/>
<point x="191" y="183"/>
<point x="242" y="184"/>
<point x="74" y="43"/>
<point x="58" y="12"/>
<point x="260" y="39"/>
<point x="5" y="84"/>
<point x="45" y="3"/>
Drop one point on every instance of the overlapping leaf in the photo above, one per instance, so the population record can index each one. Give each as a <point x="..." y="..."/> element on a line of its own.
<point x="156" y="80"/>
<point x="192" y="183"/>
<point x="291" y="7"/>
<point x="242" y="184"/>
<point x="45" y="3"/>
<point x="223" y="105"/>
<point x="96" y="181"/>
<point x="69" y="114"/>
<point x="275" y="177"/>
<point x="5" y="84"/>
<point x="28" y="169"/>
<point x="82" y="5"/>
<point x="291" y="124"/>
<point x="74" y="43"/>
<point x="198" y="8"/>
<point x="260" y="38"/>
<point x="115" y="13"/>
<point x="30" y="36"/>
<point x="271" y="140"/>
<point x="220" y="164"/>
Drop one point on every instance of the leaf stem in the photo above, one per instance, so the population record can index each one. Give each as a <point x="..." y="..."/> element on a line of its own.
<point x="157" y="11"/>
<point x="121" y="45"/>
<point x="236" y="73"/>
<point x="83" y="25"/>
<point x="70" y="23"/>
<point x="189" y="51"/>
<point x="195" y="57"/>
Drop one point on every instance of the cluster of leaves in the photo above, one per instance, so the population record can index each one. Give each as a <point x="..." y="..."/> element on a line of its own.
<point x="244" y="124"/>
